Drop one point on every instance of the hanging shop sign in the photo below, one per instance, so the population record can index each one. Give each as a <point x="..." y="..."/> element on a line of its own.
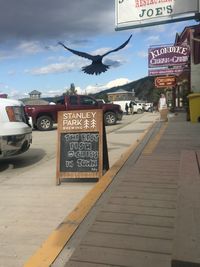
<point x="165" y="81"/>
<point x="170" y="55"/>
<point x="141" y="13"/>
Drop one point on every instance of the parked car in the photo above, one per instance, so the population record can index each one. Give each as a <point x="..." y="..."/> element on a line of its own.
<point x="44" y="116"/>
<point x="100" y="101"/>
<point x="15" y="133"/>
<point x="138" y="107"/>
<point x="148" y="107"/>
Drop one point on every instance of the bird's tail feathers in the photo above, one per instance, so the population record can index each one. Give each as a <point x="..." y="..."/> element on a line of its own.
<point x="95" y="69"/>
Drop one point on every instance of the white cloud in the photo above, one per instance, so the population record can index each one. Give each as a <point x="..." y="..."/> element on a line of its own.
<point x="21" y="49"/>
<point x="12" y="92"/>
<point x="117" y="82"/>
<point x="79" y="91"/>
<point x="91" y="89"/>
<point x="15" y="94"/>
<point x="53" y="68"/>
<point x="29" y="47"/>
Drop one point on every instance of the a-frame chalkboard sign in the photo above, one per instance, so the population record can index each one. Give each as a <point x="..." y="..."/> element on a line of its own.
<point x="80" y="145"/>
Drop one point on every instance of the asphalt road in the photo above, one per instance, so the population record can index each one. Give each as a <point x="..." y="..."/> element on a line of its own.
<point x="44" y="148"/>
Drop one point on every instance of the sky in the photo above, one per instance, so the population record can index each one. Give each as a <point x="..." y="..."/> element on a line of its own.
<point x="31" y="59"/>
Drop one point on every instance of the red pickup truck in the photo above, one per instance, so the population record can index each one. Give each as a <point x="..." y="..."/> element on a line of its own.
<point x="44" y="116"/>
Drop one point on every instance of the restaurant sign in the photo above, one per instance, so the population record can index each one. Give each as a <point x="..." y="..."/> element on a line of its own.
<point x="165" y="81"/>
<point x="168" y="56"/>
<point x="130" y="14"/>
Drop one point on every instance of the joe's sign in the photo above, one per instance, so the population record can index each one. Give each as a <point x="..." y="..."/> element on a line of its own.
<point x="142" y="13"/>
<point x="168" y="56"/>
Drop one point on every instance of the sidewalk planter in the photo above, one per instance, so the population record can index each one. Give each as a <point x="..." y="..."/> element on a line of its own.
<point x="194" y="106"/>
<point x="163" y="114"/>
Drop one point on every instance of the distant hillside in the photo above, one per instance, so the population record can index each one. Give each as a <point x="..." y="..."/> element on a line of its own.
<point x="144" y="89"/>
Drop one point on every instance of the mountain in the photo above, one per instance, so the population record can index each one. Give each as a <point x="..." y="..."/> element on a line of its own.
<point x="144" y="89"/>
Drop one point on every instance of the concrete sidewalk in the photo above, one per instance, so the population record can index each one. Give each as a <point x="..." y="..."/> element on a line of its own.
<point x="132" y="223"/>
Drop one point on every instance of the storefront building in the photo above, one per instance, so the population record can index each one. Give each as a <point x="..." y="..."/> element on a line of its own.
<point x="189" y="80"/>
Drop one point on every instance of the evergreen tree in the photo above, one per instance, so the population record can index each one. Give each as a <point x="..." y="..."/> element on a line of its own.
<point x="72" y="90"/>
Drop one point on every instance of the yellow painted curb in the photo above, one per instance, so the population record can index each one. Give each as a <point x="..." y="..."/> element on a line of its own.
<point x="51" y="248"/>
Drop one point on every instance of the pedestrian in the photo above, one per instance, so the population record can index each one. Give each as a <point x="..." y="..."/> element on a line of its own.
<point x="126" y="108"/>
<point x="162" y="107"/>
<point x="131" y="107"/>
<point x="162" y="104"/>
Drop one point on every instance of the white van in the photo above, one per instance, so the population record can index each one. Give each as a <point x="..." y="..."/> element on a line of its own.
<point x="15" y="133"/>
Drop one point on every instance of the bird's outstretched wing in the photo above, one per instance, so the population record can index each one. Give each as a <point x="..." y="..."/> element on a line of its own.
<point x="78" y="53"/>
<point x="118" y="48"/>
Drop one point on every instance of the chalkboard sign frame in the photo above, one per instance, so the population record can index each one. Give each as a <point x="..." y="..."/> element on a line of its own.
<point x="77" y="123"/>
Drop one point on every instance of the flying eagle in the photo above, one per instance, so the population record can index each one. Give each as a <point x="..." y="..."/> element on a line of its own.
<point x="97" y="66"/>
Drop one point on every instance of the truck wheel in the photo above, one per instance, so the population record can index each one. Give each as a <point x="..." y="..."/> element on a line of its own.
<point x="139" y="111"/>
<point x="44" y="123"/>
<point x="110" y="118"/>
